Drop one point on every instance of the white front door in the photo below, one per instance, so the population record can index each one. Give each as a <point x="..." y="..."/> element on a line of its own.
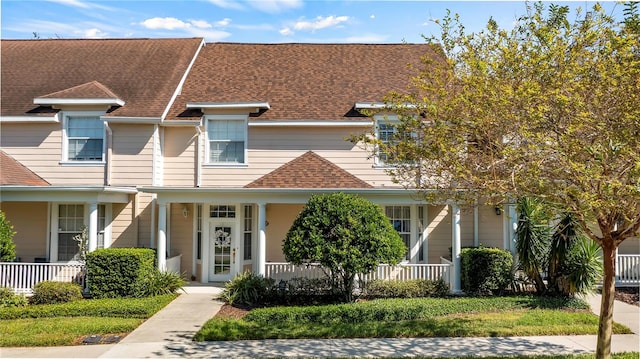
<point x="223" y="249"/>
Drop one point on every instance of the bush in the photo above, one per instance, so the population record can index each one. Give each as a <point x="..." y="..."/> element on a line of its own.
<point x="408" y="289"/>
<point x="248" y="289"/>
<point x="49" y="292"/>
<point x="159" y="283"/>
<point x="10" y="299"/>
<point x="7" y="246"/>
<point x="485" y="270"/>
<point x="119" y="272"/>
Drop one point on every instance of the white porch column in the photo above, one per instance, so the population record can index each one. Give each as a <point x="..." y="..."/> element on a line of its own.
<point x="513" y="225"/>
<point x="162" y="237"/>
<point x="476" y="226"/>
<point x="92" y="231"/>
<point x="262" y="239"/>
<point x="455" y="247"/>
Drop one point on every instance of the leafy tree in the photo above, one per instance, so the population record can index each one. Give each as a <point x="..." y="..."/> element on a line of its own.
<point x="548" y="109"/>
<point x="7" y="247"/>
<point x="347" y="235"/>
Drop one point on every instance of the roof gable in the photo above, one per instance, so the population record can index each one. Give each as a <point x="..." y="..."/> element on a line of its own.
<point x="144" y="73"/>
<point x="300" y="81"/>
<point x="13" y="172"/>
<point x="90" y="91"/>
<point x="309" y="171"/>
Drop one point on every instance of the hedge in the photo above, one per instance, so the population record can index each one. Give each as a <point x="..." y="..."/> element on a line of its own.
<point x="485" y="270"/>
<point x="119" y="272"/>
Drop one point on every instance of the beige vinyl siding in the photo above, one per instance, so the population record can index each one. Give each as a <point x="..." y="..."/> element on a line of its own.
<point x="143" y="215"/>
<point x="132" y="162"/>
<point x="29" y="221"/>
<point x="280" y="218"/>
<point x="39" y="147"/>
<point x="124" y="225"/>
<point x="179" y="156"/>
<point x="629" y="246"/>
<point x="490" y="227"/>
<point x="181" y="234"/>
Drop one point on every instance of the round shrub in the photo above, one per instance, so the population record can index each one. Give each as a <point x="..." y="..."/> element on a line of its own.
<point x="10" y="299"/>
<point x="485" y="270"/>
<point x="160" y="283"/>
<point x="49" y="292"/>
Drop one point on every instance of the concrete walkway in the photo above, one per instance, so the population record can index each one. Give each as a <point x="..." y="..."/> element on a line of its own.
<point x="169" y="333"/>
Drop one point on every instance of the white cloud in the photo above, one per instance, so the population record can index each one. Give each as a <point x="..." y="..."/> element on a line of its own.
<point x="209" y="35"/>
<point x="81" y="4"/>
<point x="94" y="34"/>
<point x="224" y="22"/>
<point x="275" y="6"/>
<point x="171" y="23"/>
<point x="286" y="31"/>
<point x="372" y="16"/>
<point x="320" y="23"/>
<point x="227" y="4"/>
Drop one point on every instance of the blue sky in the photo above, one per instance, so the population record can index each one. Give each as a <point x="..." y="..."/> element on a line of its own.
<point x="261" y="21"/>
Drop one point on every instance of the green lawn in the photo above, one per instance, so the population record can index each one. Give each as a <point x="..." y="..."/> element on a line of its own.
<point x="427" y="317"/>
<point x="65" y="324"/>
<point x="633" y="355"/>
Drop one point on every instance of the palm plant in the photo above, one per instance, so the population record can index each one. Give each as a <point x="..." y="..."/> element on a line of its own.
<point x="533" y="238"/>
<point x="563" y="240"/>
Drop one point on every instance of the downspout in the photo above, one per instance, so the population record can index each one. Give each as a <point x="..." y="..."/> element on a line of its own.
<point x="198" y="157"/>
<point x="107" y="175"/>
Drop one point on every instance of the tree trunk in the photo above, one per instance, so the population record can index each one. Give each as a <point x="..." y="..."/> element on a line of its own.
<point x="605" y="327"/>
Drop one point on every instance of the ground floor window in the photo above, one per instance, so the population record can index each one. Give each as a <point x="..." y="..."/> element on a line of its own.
<point x="102" y="221"/>
<point x="400" y="217"/>
<point x="247" y="232"/>
<point x="70" y="224"/>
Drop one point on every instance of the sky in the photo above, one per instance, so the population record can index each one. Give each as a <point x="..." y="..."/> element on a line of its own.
<point x="253" y="21"/>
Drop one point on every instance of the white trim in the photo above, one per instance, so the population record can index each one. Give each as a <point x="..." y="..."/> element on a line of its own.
<point x="309" y="123"/>
<point x="229" y="105"/>
<point x="39" y="119"/>
<point x="61" y="193"/>
<point x="180" y="123"/>
<point x="108" y="233"/>
<point x="82" y="164"/>
<point x="380" y="105"/>
<point x="131" y="120"/>
<point x="78" y="101"/>
<point x="52" y="254"/>
<point x="182" y="80"/>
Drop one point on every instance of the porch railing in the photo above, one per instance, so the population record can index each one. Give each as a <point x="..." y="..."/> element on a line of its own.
<point x="628" y="269"/>
<point x="401" y="272"/>
<point x="21" y="277"/>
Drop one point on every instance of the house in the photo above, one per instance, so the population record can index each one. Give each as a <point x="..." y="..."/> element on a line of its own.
<point x="207" y="152"/>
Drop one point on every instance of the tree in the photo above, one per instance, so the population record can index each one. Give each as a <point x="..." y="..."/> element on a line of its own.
<point x="548" y="109"/>
<point x="347" y="235"/>
<point x="7" y="247"/>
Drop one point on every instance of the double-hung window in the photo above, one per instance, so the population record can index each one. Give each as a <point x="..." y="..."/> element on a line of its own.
<point x="84" y="138"/>
<point x="386" y="129"/>
<point x="227" y="140"/>
<point x="400" y="217"/>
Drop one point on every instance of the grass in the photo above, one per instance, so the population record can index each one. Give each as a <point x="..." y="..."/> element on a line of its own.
<point x="426" y="317"/>
<point x="64" y="324"/>
<point x="633" y="355"/>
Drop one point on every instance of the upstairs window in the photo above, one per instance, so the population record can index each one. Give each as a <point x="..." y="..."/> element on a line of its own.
<point x="386" y="130"/>
<point x="84" y="138"/>
<point x="227" y="140"/>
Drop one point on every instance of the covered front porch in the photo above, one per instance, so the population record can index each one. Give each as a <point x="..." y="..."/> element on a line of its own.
<point x="220" y="232"/>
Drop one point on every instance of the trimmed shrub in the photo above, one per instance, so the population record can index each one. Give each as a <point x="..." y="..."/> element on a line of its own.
<point x="408" y="289"/>
<point x="10" y="299"/>
<point x="159" y="283"/>
<point x="119" y="272"/>
<point x="7" y="246"/>
<point x="485" y="270"/>
<point x="50" y="292"/>
<point x="247" y="289"/>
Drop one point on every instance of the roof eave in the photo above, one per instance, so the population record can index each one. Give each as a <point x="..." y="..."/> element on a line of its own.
<point x="78" y="101"/>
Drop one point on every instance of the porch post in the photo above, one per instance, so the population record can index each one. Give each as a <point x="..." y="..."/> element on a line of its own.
<point x="513" y="225"/>
<point x="262" y="239"/>
<point x="476" y="226"/>
<point x="93" y="227"/>
<point x="162" y="237"/>
<point x="455" y="247"/>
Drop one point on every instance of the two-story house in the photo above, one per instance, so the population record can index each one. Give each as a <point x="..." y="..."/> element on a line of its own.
<point x="207" y="152"/>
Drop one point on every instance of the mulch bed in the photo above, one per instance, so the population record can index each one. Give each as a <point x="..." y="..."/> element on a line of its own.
<point x="228" y="311"/>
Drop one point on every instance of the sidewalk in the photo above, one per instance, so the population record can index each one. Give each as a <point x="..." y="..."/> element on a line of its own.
<point x="169" y="333"/>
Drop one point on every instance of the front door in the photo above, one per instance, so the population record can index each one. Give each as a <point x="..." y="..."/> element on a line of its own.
<point x="223" y="248"/>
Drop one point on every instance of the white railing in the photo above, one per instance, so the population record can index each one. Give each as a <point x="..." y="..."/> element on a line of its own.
<point x="21" y="277"/>
<point x="401" y="272"/>
<point x="627" y="269"/>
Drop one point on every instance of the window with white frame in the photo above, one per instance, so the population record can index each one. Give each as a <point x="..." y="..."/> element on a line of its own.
<point x="227" y="139"/>
<point x="386" y="129"/>
<point x="84" y="138"/>
<point x="102" y="221"/>
<point x="70" y="224"/>
<point x="247" y="232"/>
<point x="400" y="217"/>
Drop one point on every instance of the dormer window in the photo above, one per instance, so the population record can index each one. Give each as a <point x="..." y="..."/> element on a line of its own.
<point x="227" y="139"/>
<point x="386" y="129"/>
<point x="84" y="138"/>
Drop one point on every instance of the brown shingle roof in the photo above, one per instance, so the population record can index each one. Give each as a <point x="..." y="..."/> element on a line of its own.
<point x="13" y="172"/>
<point x="300" y="81"/>
<point x="93" y="89"/>
<point x="145" y="73"/>
<point x="309" y="171"/>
